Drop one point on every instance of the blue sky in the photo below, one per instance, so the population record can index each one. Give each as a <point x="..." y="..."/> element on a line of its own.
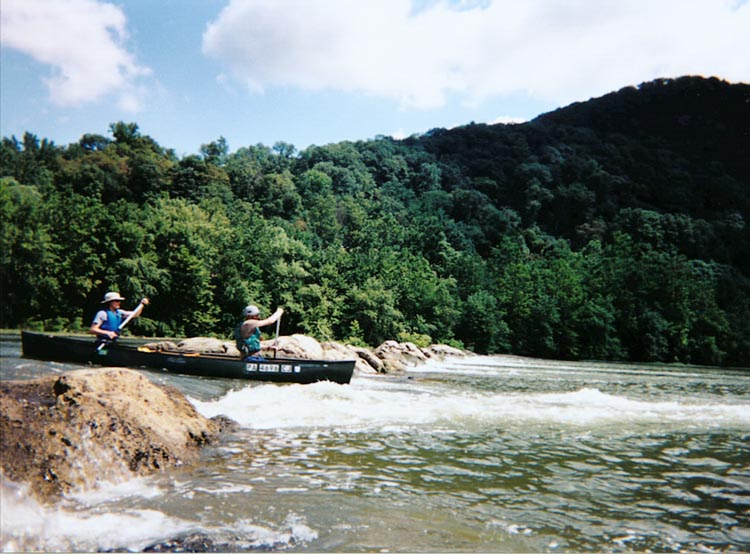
<point x="321" y="71"/>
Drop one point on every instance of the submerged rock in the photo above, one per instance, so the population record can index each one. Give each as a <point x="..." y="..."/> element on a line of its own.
<point x="194" y="542"/>
<point x="61" y="433"/>
<point x="443" y="350"/>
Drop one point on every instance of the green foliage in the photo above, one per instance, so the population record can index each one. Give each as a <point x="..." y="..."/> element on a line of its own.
<point x="354" y="336"/>
<point x="615" y="229"/>
<point x="216" y="152"/>
<point x="420" y="340"/>
<point x="29" y="255"/>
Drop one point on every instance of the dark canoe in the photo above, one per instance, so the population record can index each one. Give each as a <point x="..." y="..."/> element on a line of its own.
<point x="124" y="353"/>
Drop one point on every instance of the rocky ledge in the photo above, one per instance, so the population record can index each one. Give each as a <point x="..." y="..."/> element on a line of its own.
<point x="69" y="432"/>
<point x="390" y="357"/>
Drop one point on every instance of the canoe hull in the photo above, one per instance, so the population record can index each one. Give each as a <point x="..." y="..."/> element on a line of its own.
<point x="282" y="370"/>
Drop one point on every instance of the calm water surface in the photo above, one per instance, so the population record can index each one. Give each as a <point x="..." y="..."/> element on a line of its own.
<point x="498" y="454"/>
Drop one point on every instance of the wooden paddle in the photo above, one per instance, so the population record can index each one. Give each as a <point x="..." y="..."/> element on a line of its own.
<point x="276" y="342"/>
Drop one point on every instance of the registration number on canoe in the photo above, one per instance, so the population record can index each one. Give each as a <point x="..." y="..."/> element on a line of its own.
<point x="271" y="368"/>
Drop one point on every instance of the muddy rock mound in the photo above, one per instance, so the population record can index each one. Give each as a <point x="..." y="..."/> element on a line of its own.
<point x="62" y="433"/>
<point x="292" y="346"/>
<point x="202" y="345"/>
<point x="365" y="361"/>
<point x="207" y="345"/>
<point x="396" y="356"/>
<point x="443" y="350"/>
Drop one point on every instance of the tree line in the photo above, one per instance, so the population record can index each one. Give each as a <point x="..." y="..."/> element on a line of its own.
<point x="614" y="229"/>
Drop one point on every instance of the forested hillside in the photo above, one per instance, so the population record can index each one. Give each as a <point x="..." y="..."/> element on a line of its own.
<point x="611" y="229"/>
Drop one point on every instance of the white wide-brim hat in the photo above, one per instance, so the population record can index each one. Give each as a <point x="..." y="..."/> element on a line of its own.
<point x="112" y="296"/>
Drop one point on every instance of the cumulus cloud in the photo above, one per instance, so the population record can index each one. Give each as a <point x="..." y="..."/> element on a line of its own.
<point x="83" y="43"/>
<point x="420" y="54"/>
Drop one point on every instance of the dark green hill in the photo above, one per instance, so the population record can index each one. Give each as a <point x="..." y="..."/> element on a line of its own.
<point x="615" y="228"/>
<point x="676" y="147"/>
<point x="704" y="121"/>
<point x="694" y="138"/>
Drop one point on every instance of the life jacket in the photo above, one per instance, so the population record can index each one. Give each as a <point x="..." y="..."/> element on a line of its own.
<point x="114" y="319"/>
<point x="251" y="344"/>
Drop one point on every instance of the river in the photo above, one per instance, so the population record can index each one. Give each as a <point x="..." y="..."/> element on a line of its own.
<point x="479" y="454"/>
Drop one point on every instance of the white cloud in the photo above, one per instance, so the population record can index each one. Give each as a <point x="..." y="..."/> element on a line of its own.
<point x="553" y="50"/>
<point x="82" y="41"/>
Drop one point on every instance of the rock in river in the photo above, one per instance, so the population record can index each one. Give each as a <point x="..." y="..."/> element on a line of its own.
<point x="68" y="432"/>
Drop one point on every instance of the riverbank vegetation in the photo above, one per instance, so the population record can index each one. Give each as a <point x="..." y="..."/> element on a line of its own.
<point x="612" y="229"/>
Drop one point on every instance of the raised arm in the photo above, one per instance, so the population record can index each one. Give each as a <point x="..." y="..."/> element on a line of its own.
<point x="271" y="318"/>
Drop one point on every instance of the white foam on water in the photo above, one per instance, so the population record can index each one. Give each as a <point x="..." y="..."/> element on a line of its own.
<point x="224" y="489"/>
<point x="505" y="365"/>
<point x="27" y="525"/>
<point x="294" y="531"/>
<point x="321" y="405"/>
<point x="107" y="491"/>
<point x="590" y="406"/>
<point x="365" y="407"/>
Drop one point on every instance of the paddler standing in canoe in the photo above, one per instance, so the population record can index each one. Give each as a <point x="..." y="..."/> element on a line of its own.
<point x="111" y="319"/>
<point x="247" y="334"/>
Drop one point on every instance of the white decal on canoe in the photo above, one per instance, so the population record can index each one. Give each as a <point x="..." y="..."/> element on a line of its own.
<point x="268" y="368"/>
<point x="251" y="367"/>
